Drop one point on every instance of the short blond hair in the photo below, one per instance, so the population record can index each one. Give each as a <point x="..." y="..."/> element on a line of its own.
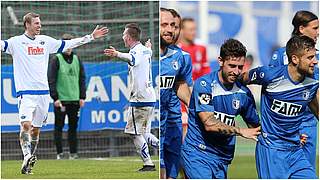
<point x="28" y="17"/>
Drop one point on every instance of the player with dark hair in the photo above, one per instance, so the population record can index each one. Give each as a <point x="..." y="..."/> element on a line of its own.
<point x="304" y="23"/>
<point x="217" y="98"/>
<point x="287" y="91"/>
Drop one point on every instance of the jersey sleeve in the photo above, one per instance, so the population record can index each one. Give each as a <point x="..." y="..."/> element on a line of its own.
<point x="249" y="112"/>
<point x="7" y="46"/>
<point x="58" y="46"/>
<point x="277" y="56"/>
<point x="202" y="94"/>
<point x="259" y="75"/>
<point x="185" y="72"/>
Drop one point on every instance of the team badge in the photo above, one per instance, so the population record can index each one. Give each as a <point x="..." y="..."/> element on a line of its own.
<point x="235" y="103"/>
<point x="42" y="42"/>
<point x="306" y="94"/>
<point x="175" y="65"/>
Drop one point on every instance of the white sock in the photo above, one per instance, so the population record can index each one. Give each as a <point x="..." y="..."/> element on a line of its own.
<point x="25" y="143"/>
<point x="34" y="144"/>
<point x="151" y="139"/>
<point x="142" y="149"/>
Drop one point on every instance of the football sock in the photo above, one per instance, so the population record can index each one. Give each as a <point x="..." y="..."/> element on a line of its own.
<point x="142" y="149"/>
<point x="25" y="143"/>
<point x="151" y="139"/>
<point x="34" y="144"/>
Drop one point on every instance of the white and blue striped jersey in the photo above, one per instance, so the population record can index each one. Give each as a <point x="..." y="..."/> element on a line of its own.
<point x="210" y="95"/>
<point x="30" y="60"/>
<point x="283" y="103"/>
<point x="279" y="58"/>
<point x="173" y="67"/>
<point x="141" y="89"/>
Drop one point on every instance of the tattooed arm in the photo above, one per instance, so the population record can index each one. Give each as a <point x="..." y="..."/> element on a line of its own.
<point x="214" y="125"/>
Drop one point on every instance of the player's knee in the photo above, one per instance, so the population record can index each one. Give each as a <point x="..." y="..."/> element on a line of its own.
<point x="35" y="131"/>
<point x="25" y="126"/>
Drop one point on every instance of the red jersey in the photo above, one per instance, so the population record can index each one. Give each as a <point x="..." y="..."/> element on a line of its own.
<point x="198" y="53"/>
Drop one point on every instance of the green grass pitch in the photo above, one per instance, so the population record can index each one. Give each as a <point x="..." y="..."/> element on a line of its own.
<point x="108" y="168"/>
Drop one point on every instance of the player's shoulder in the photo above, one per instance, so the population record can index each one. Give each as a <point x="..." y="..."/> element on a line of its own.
<point x="243" y="88"/>
<point x="140" y="49"/>
<point x="279" y="53"/>
<point x="205" y="80"/>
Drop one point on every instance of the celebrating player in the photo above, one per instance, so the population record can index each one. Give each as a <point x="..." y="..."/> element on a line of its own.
<point x="217" y="98"/>
<point x="305" y="23"/>
<point x="142" y="94"/>
<point x="175" y="80"/>
<point x="286" y="93"/>
<point x="30" y="52"/>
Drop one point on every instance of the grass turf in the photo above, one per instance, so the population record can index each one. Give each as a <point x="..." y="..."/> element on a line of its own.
<point x="109" y="168"/>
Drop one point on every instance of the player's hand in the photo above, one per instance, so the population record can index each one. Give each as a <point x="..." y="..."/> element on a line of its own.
<point x="99" y="32"/>
<point x="81" y="102"/>
<point x="250" y="133"/>
<point x="57" y="103"/>
<point x="148" y="44"/>
<point x="112" y="52"/>
<point x="303" y="139"/>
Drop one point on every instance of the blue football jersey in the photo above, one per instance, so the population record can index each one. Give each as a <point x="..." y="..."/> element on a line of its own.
<point x="209" y="95"/>
<point x="283" y="103"/>
<point x="279" y="58"/>
<point x="174" y="66"/>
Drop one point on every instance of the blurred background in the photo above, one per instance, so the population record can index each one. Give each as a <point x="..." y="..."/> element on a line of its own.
<point x="101" y="121"/>
<point x="262" y="26"/>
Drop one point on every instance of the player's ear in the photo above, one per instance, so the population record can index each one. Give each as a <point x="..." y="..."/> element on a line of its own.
<point x="301" y="29"/>
<point x="295" y="59"/>
<point x="220" y="61"/>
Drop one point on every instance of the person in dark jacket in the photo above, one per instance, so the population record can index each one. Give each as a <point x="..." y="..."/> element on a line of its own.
<point x="66" y="77"/>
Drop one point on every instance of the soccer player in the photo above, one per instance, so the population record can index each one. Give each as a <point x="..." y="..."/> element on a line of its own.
<point x="142" y="94"/>
<point x="197" y="52"/>
<point x="30" y="52"/>
<point x="305" y="23"/>
<point x="217" y="98"/>
<point x="286" y="93"/>
<point x="175" y="80"/>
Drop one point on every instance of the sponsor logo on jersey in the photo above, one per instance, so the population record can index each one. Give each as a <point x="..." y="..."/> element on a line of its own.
<point x="166" y="82"/>
<point x="285" y="108"/>
<point x="175" y="64"/>
<point x="225" y="118"/>
<point x="204" y="98"/>
<point x="35" y="51"/>
<point x="235" y="103"/>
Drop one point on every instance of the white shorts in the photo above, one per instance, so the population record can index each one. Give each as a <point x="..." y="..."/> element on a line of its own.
<point x="33" y="108"/>
<point x="139" y="120"/>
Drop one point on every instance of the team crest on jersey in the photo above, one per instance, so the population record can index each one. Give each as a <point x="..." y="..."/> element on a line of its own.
<point x="175" y="64"/>
<point x="306" y="94"/>
<point x="235" y="103"/>
<point x="42" y="42"/>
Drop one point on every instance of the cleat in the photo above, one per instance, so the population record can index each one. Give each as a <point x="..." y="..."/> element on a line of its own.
<point x="147" y="168"/>
<point x="25" y="169"/>
<point x="33" y="161"/>
<point x="59" y="156"/>
<point x="73" y="156"/>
